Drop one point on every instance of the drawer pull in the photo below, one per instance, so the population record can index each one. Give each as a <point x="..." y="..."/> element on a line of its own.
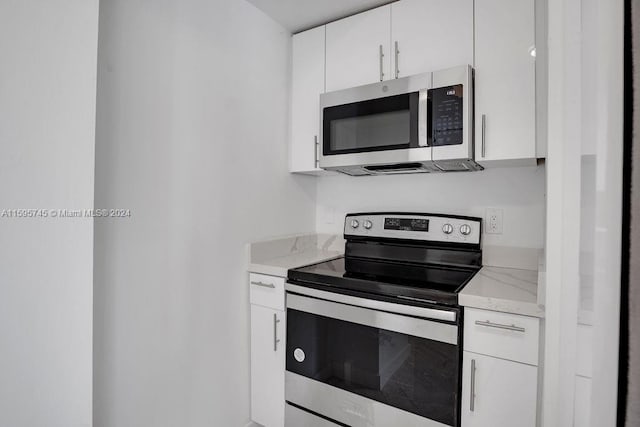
<point x="264" y="285"/>
<point x="472" y="400"/>
<point x="276" y="340"/>
<point x="499" y="326"/>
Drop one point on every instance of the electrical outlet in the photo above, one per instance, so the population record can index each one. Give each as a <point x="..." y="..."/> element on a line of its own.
<point x="493" y="221"/>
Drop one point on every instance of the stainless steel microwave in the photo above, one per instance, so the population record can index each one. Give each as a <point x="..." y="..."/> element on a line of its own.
<point x="420" y="123"/>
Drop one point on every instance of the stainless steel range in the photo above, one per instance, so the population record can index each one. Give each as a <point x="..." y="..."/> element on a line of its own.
<point x="374" y="337"/>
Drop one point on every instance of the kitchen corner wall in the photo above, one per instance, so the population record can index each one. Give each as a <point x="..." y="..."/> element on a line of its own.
<point x="192" y="138"/>
<point x="519" y="192"/>
<point x="47" y="126"/>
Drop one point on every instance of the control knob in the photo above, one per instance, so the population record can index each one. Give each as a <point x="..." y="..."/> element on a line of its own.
<point x="367" y="224"/>
<point x="447" y="229"/>
<point x="354" y="223"/>
<point x="465" y="230"/>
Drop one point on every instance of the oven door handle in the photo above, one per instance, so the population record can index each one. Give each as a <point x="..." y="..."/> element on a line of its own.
<point x="407" y="325"/>
<point x="407" y="310"/>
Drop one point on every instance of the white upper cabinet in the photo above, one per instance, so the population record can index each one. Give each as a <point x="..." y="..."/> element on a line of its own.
<point x="410" y="37"/>
<point x="358" y="49"/>
<point x="307" y="85"/>
<point x="505" y="81"/>
<point x="430" y="35"/>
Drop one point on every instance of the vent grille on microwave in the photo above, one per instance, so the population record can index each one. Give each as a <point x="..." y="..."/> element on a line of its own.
<point x="457" y="166"/>
<point x="397" y="168"/>
<point x="465" y="165"/>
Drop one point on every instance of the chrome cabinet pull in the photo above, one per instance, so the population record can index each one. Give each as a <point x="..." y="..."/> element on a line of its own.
<point x="472" y="401"/>
<point x="317" y="153"/>
<point x="499" y="326"/>
<point x="381" y="64"/>
<point x="275" y="332"/>
<point x="264" y="285"/>
<point x="484" y="133"/>
<point x="397" y="53"/>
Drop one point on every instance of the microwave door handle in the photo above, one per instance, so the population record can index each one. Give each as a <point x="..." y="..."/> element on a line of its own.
<point x="423" y="126"/>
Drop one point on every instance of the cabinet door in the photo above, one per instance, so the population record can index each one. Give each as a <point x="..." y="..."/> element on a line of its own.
<point x="505" y="80"/>
<point x="431" y="35"/>
<point x="353" y="49"/>
<point x="267" y="366"/>
<point x="505" y="392"/>
<point x="307" y="85"/>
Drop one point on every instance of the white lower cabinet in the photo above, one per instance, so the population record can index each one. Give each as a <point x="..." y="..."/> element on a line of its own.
<point x="498" y="392"/>
<point x="267" y="366"/>
<point x="499" y="369"/>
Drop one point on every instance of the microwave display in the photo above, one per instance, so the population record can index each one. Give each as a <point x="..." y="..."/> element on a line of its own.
<point x="406" y="224"/>
<point x="447" y="116"/>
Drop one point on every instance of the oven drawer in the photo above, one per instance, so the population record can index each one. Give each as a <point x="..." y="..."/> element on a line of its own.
<point x="267" y="291"/>
<point x="295" y="417"/>
<point x="351" y="409"/>
<point x="504" y="335"/>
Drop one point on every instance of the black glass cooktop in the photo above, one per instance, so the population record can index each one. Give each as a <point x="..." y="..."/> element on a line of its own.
<point x="368" y="277"/>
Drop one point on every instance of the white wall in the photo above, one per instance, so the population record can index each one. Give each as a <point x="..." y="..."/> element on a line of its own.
<point x="192" y="137"/>
<point x="47" y="125"/>
<point x="518" y="191"/>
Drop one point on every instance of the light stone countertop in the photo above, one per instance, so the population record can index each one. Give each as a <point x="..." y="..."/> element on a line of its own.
<point x="275" y="257"/>
<point x="497" y="286"/>
<point x="508" y="290"/>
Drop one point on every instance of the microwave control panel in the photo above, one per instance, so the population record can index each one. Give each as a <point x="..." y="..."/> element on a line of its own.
<point x="446" y="116"/>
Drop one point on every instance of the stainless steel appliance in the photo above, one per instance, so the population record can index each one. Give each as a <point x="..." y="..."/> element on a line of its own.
<point x="420" y="123"/>
<point x="374" y="337"/>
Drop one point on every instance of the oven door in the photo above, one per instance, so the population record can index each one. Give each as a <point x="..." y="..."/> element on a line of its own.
<point x="375" y="124"/>
<point x="372" y="367"/>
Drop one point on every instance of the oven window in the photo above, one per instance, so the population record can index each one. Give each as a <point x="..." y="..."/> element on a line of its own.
<point x="373" y="125"/>
<point x="411" y="373"/>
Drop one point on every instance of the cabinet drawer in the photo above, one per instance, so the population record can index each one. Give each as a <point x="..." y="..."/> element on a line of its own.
<point x="267" y="291"/>
<point x="508" y="336"/>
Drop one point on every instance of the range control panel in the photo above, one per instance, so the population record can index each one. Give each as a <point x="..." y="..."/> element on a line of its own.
<point x="425" y="227"/>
